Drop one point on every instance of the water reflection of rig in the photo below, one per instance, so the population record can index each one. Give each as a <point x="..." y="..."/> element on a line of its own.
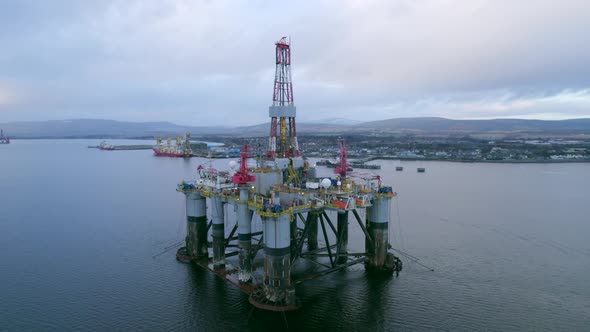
<point x="292" y="204"/>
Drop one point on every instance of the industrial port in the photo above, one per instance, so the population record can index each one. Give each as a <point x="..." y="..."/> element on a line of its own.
<point x="295" y="208"/>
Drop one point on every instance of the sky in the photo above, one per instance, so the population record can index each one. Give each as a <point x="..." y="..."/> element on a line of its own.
<point x="212" y="62"/>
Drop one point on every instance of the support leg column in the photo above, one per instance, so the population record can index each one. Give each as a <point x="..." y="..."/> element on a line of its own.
<point x="378" y="227"/>
<point x="277" y="261"/>
<point x="218" y="232"/>
<point x="312" y="233"/>
<point x="294" y="231"/>
<point x="244" y="237"/>
<point x="196" y="215"/>
<point x="342" y="244"/>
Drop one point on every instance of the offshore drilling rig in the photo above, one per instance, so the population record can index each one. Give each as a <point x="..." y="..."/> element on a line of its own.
<point x="283" y="193"/>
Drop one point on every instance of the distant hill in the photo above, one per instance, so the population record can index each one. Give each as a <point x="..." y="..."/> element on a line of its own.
<point x="302" y="127"/>
<point x="83" y="128"/>
<point x="338" y="121"/>
<point x="94" y="128"/>
<point x="432" y="123"/>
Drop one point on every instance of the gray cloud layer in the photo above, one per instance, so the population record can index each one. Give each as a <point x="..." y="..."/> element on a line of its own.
<point x="211" y="62"/>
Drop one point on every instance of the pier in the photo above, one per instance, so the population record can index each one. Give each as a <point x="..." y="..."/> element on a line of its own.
<point x="123" y="147"/>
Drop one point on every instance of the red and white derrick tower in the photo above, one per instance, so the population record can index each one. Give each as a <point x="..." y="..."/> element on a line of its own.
<point x="283" y="133"/>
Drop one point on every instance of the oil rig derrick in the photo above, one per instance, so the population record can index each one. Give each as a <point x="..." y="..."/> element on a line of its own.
<point x="283" y="133"/>
<point x="292" y="205"/>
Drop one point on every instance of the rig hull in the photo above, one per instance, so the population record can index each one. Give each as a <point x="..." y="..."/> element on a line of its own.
<point x="168" y="154"/>
<point x="4" y="139"/>
<point x="180" y="149"/>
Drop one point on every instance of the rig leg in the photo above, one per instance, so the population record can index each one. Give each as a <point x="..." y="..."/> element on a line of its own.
<point x="378" y="227"/>
<point x="218" y="232"/>
<point x="294" y="241"/>
<point x="312" y="235"/>
<point x="244" y="237"/>
<point x="341" y="247"/>
<point x="277" y="286"/>
<point x="285" y="319"/>
<point x="196" y="215"/>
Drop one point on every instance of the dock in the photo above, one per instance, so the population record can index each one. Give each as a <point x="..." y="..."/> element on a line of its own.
<point x="124" y="147"/>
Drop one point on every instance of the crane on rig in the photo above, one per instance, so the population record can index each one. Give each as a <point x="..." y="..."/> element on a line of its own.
<point x="243" y="176"/>
<point x="343" y="167"/>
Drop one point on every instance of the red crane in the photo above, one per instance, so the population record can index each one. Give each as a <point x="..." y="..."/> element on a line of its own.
<point x="343" y="163"/>
<point x="243" y="177"/>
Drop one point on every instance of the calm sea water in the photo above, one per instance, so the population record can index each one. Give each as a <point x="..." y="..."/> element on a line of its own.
<point x="82" y="233"/>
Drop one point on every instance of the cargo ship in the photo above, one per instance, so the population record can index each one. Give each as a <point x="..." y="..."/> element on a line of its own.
<point x="326" y="162"/>
<point x="360" y="164"/>
<point x="104" y="146"/>
<point x="4" y="139"/>
<point x="180" y="149"/>
<point x="331" y="164"/>
<point x="351" y="165"/>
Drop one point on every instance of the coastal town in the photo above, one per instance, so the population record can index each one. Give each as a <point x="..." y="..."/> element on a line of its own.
<point x="409" y="147"/>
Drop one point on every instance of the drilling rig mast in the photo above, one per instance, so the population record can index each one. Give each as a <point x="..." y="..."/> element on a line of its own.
<point x="283" y="133"/>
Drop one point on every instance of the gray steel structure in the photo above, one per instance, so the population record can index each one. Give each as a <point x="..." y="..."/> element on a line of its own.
<point x="218" y="232"/>
<point x="196" y="235"/>
<point x="244" y="223"/>
<point x="280" y="208"/>
<point x="282" y="192"/>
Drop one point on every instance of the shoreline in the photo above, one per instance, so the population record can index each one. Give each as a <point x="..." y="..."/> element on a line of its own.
<point x="512" y="161"/>
<point x="515" y="161"/>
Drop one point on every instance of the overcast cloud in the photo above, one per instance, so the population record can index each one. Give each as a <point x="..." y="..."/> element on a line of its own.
<point x="212" y="62"/>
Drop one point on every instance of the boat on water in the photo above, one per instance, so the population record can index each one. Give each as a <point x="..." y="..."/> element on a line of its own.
<point x="180" y="149"/>
<point x="332" y="164"/>
<point x="362" y="165"/>
<point x="399" y="168"/>
<point x="421" y="169"/>
<point x="104" y="146"/>
<point x="326" y="162"/>
<point x="4" y="139"/>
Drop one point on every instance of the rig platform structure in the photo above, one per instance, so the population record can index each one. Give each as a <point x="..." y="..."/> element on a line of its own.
<point x="182" y="148"/>
<point x="4" y="139"/>
<point x="283" y="193"/>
